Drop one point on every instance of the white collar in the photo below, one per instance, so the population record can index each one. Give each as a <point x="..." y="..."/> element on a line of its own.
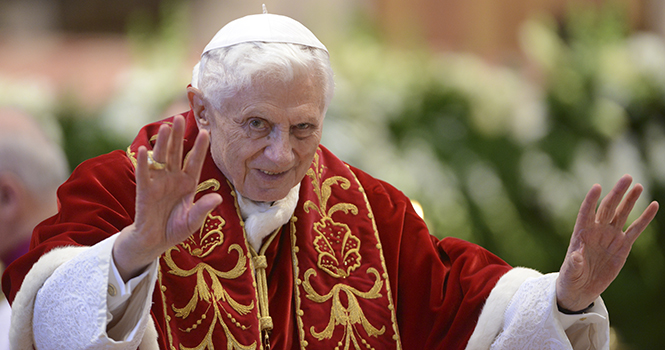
<point x="263" y="218"/>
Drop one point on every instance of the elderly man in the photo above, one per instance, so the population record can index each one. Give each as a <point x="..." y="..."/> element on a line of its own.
<point x="32" y="167"/>
<point x="229" y="226"/>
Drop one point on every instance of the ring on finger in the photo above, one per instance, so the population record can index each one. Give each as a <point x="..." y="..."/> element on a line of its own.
<point x="153" y="164"/>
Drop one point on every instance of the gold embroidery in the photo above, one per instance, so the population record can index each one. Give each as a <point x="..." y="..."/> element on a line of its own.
<point x="348" y="316"/>
<point x="208" y="184"/>
<point x="210" y="236"/>
<point x="391" y="306"/>
<point x="214" y="295"/>
<point x="296" y="273"/>
<point x="132" y="156"/>
<point x="339" y="256"/>
<point x="338" y="247"/>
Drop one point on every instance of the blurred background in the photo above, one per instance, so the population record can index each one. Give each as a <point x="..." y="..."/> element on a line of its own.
<point x="495" y="116"/>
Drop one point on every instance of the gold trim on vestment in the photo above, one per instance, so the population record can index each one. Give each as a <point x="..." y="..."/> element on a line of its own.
<point x="213" y="293"/>
<point x="340" y="257"/>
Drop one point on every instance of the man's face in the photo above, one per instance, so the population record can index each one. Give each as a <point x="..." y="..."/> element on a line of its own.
<point x="264" y="139"/>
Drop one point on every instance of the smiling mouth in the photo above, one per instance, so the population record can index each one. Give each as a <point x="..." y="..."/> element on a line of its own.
<point x="270" y="172"/>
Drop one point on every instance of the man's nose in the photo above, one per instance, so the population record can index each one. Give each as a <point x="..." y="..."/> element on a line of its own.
<point x="279" y="149"/>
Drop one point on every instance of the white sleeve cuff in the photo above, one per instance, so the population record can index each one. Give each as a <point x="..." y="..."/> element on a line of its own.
<point x="532" y="320"/>
<point x="70" y="309"/>
<point x="118" y="291"/>
<point x="521" y="312"/>
<point x="588" y="330"/>
<point x="127" y="300"/>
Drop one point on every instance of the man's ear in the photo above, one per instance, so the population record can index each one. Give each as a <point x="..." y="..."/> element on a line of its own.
<point x="197" y="104"/>
<point x="10" y="196"/>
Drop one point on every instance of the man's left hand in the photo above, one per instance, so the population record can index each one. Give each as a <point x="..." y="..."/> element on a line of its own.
<point x="599" y="246"/>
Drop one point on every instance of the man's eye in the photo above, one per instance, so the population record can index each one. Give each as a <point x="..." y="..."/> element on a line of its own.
<point x="302" y="130"/>
<point x="257" y="124"/>
<point x="303" y="126"/>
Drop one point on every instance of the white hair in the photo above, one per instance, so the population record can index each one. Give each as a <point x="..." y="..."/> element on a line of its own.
<point x="37" y="161"/>
<point x="223" y="72"/>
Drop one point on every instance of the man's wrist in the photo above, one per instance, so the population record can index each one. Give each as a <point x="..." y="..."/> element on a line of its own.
<point x="569" y="312"/>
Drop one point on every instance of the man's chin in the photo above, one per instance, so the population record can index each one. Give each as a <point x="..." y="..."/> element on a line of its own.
<point x="270" y="195"/>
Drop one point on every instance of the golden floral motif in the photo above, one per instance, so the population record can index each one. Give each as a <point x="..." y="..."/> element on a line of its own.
<point x="348" y="316"/>
<point x="210" y="236"/>
<point x="215" y="296"/>
<point x="200" y="245"/>
<point x="338" y="247"/>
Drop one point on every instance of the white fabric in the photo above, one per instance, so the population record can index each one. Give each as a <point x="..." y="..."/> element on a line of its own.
<point x="73" y="281"/>
<point x="20" y="334"/>
<point x="262" y="219"/>
<point x="521" y="311"/>
<point x="491" y="318"/>
<point x="266" y="28"/>
<point x="533" y="318"/>
<point x="5" y="318"/>
<point x="124" y="313"/>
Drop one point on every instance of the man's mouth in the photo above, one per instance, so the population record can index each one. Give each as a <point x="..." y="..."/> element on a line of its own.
<point x="269" y="172"/>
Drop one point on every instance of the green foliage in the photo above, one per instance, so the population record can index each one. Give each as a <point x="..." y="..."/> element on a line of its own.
<point x="502" y="161"/>
<point x="155" y="81"/>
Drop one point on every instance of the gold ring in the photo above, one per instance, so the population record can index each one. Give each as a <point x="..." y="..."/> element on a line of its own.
<point x="153" y="164"/>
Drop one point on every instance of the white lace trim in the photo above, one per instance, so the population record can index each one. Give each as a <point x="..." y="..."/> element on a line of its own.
<point x="20" y="334"/>
<point x="490" y="320"/>
<point x="528" y="318"/>
<point x="66" y="282"/>
<point x="70" y="311"/>
<point x="532" y="321"/>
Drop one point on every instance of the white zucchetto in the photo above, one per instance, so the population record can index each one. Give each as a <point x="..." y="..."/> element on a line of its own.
<point x="264" y="27"/>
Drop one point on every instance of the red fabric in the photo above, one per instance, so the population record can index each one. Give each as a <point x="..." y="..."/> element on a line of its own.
<point x="438" y="287"/>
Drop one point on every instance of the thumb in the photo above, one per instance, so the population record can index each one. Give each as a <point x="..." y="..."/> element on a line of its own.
<point x="577" y="260"/>
<point x="201" y="208"/>
<point x="574" y="266"/>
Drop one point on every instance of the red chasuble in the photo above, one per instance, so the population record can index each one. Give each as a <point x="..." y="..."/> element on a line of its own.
<point x="354" y="268"/>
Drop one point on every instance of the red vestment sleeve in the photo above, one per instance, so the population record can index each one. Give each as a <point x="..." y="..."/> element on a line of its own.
<point x="93" y="205"/>
<point x="439" y="286"/>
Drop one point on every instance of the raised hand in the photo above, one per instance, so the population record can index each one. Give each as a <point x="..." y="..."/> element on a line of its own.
<point x="599" y="246"/>
<point x="166" y="213"/>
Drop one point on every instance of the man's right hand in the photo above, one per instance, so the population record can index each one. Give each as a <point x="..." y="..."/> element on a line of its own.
<point x="165" y="210"/>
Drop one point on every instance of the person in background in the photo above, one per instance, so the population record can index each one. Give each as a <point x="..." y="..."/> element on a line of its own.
<point x="32" y="167"/>
<point x="230" y="227"/>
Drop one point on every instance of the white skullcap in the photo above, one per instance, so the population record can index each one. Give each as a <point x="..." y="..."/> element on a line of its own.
<point x="264" y="27"/>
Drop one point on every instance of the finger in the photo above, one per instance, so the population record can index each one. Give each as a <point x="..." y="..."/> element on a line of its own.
<point x="586" y="215"/>
<point x="174" y="154"/>
<point x="142" y="175"/>
<point x="200" y="210"/>
<point x="626" y="206"/>
<point x="161" y="145"/>
<point x="196" y="157"/>
<point x="638" y="226"/>
<point x="608" y="205"/>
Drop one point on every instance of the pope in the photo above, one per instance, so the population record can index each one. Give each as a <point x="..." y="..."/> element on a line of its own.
<point x="230" y="227"/>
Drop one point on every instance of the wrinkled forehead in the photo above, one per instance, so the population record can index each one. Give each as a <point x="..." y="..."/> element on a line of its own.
<point x="271" y="86"/>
